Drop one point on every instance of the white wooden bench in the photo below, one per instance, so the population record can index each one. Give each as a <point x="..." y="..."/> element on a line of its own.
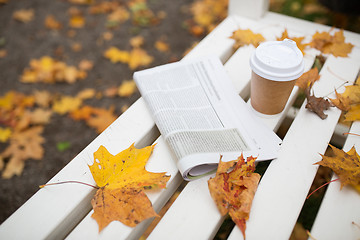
<point x="64" y="211"/>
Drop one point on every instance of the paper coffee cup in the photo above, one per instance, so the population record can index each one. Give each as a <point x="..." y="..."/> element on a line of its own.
<point x="275" y="67"/>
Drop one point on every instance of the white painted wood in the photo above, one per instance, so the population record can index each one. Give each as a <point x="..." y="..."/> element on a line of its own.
<point x="216" y="43"/>
<point x="218" y="37"/>
<point x="286" y="182"/>
<point x="254" y="9"/>
<point x="195" y="200"/>
<point x="160" y="161"/>
<point x="340" y="208"/>
<point x="53" y="211"/>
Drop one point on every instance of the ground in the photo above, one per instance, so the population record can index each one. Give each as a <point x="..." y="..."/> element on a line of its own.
<point x="31" y="40"/>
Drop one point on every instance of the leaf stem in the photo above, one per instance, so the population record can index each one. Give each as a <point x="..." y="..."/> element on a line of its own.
<point x="49" y="184"/>
<point x="322" y="187"/>
<point x="355" y="134"/>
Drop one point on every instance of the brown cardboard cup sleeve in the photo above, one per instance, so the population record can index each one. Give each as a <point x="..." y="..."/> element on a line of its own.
<point x="275" y="67"/>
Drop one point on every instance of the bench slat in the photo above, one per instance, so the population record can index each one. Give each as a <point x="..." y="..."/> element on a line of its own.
<point x="287" y="180"/>
<point x="221" y="46"/>
<point x="53" y="211"/>
<point x="340" y="208"/>
<point x="195" y="200"/>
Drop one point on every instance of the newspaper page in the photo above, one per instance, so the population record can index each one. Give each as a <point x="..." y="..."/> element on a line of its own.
<point x="201" y="116"/>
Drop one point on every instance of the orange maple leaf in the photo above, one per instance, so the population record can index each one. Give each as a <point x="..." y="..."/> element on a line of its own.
<point x="308" y="78"/>
<point x="234" y="191"/>
<point x="122" y="179"/>
<point x="349" y="101"/>
<point x="345" y="164"/>
<point x="329" y="44"/>
<point x="298" y="40"/>
<point x="244" y="37"/>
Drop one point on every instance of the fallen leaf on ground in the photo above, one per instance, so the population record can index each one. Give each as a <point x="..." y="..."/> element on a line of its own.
<point x="49" y="70"/>
<point x="52" y="23"/>
<point x="139" y="58"/>
<point x="127" y="88"/>
<point x="66" y="104"/>
<point x="24" y="15"/>
<point x="5" y="134"/>
<point x="244" y="37"/>
<point x="346" y="165"/>
<point x="234" y="191"/>
<point x="122" y="179"/>
<point x="137" y="41"/>
<point x="118" y="16"/>
<point x="162" y="46"/>
<point x="308" y="78"/>
<point x="116" y="55"/>
<point x="317" y="104"/>
<point x="23" y="145"/>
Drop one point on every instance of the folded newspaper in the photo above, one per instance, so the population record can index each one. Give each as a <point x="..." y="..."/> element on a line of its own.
<point x="201" y="117"/>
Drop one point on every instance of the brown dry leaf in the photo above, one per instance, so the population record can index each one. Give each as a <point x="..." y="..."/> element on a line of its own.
<point x="122" y="179"/>
<point x="40" y="116"/>
<point x="234" y="191"/>
<point x="308" y="78"/>
<point x="24" y="15"/>
<point x="23" y="145"/>
<point x="76" y="47"/>
<point x="298" y="40"/>
<point x="317" y="104"/>
<point x="3" y="53"/>
<point x="244" y="37"/>
<point x="127" y="88"/>
<point x="345" y="165"/>
<point x="329" y="44"/>
<point x="52" y="23"/>
<point x="66" y="104"/>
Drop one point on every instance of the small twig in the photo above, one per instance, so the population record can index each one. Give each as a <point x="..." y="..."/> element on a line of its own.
<point x="321" y="187"/>
<point x="310" y="236"/>
<point x="342" y="79"/>
<point x="49" y="184"/>
<point x="356" y="224"/>
<point x="355" y="134"/>
<point x="336" y="89"/>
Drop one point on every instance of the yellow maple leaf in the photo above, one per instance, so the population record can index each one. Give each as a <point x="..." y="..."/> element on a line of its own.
<point x="346" y="165"/>
<point x="77" y="21"/>
<point x="162" y="46"/>
<point x="52" y="23"/>
<point x="5" y="134"/>
<point x="329" y="44"/>
<point x="121" y="179"/>
<point x="138" y="58"/>
<point x="116" y="55"/>
<point x="353" y="114"/>
<point x="298" y="40"/>
<point x="66" y="104"/>
<point x="127" y="88"/>
<point x="246" y="37"/>
<point x="234" y="191"/>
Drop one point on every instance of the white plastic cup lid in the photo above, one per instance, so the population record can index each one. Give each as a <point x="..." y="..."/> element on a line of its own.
<point x="278" y="60"/>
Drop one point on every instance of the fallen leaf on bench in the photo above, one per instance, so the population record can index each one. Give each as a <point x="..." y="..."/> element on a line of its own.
<point x="308" y="78"/>
<point x="122" y="179"/>
<point x="244" y="37"/>
<point x="349" y="101"/>
<point x="317" y="104"/>
<point x="298" y="40"/>
<point x="331" y="44"/>
<point x="234" y="191"/>
<point x="346" y="165"/>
